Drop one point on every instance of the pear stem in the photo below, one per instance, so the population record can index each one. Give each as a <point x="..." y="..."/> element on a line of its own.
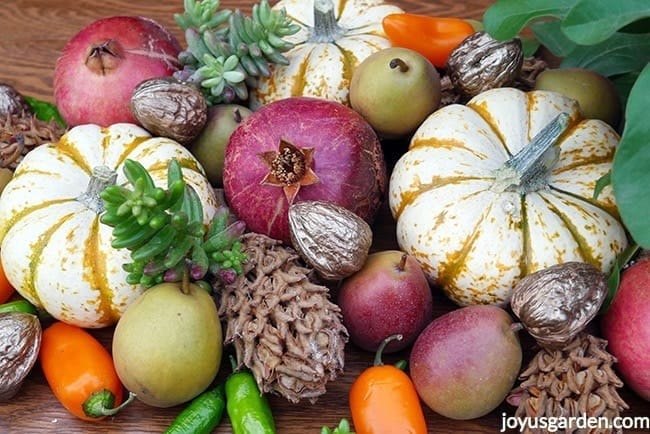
<point x="382" y="346"/>
<point x="402" y="262"/>
<point x="398" y="63"/>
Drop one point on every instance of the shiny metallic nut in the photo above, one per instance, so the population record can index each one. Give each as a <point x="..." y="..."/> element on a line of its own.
<point x="556" y="303"/>
<point x="171" y="108"/>
<point x="20" y="341"/>
<point x="481" y="62"/>
<point x="330" y="238"/>
<point x="12" y="102"/>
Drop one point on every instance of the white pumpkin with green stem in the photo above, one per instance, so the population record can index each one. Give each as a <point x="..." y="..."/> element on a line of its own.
<point x="55" y="251"/>
<point x="335" y="36"/>
<point x="480" y="208"/>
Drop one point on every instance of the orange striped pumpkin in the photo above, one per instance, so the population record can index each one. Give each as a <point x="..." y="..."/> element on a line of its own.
<point x="54" y="249"/>
<point x="335" y="36"/>
<point x="474" y="225"/>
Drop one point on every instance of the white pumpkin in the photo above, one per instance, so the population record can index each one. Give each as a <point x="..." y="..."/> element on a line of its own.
<point x="54" y="251"/>
<point x="475" y="227"/>
<point x="335" y="36"/>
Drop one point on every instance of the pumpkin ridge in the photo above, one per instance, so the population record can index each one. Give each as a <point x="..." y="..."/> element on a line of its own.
<point x="592" y="160"/>
<point x="23" y="212"/>
<point x="455" y="260"/>
<point x="96" y="274"/>
<point x="36" y="250"/>
<point x="71" y="151"/>
<point x="127" y="149"/>
<point x="524" y="264"/>
<point x="585" y="251"/>
<point x="611" y="210"/>
<point x="408" y="197"/>
<point x="349" y="60"/>
<point x="484" y="113"/>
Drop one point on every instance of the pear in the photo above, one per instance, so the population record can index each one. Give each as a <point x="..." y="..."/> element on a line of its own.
<point x="395" y="89"/>
<point x="595" y="93"/>
<point x="210" y="146"/>
<point x="167" y="345"/>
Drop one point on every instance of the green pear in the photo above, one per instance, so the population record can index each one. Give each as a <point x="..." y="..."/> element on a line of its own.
<point x="395" y="89"/>
<point x="209" y="147"/>
<point x="167" y="346"/>
<point x="595" y="93"/>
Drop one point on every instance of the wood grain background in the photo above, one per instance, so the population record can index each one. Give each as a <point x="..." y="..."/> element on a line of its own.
<point x="32" y="34"/>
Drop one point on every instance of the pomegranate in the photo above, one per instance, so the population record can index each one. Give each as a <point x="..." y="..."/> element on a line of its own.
<point x="302" y="148"/>
<point x="101" y="65"/>
<point x="626" y="327"/>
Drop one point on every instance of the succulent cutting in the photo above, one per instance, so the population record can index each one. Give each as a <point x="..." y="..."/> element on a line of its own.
<point x="164" y="230"/>
<point x="226" y="51"/>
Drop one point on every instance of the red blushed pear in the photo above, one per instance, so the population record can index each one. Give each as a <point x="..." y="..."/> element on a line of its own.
<point x="465" y="362"/>
<point x="389" y="295"/>
<point x="297" y="149"/>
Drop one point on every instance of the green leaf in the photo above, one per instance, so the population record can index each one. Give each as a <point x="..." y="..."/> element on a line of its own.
<point x="602" y="182"/>
<point x="504" y="19"/>
<point x="614" y="279"/>
<point x="620" y="54"/>
<point x="549" y="34"/>
<point x="630" y="174"/>
<point x="590" y="22"/>
<point x="44" y="110"/>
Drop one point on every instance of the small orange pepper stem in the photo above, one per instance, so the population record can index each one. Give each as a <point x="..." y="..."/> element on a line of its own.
<point x="433" y="37"/>
<point x="383" y="400"/>
<point x="77" y="367"/>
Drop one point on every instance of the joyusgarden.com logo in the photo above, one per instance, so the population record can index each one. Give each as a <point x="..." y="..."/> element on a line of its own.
<point x="570" y="423"/>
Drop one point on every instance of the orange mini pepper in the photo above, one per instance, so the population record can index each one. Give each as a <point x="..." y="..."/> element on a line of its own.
<point x="433" y="37"/>
<point x="6" y="290"/>
<point x="383" y="400"/>
<point x="80" y="372"/>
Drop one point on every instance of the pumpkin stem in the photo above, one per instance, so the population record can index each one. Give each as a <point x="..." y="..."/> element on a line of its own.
<point x="326" y="28"/>
<point x="101" y="178"/>
<point x="528" y="169"/>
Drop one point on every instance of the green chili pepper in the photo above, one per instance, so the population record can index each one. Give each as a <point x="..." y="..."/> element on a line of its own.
<point x="19" y="306"/>
<point x="202" y="415"/>
<point x="248" y="409"/>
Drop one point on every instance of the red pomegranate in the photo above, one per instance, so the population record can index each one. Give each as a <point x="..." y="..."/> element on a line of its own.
<point x="302" y="148"/>
<point x="101" y="65"/>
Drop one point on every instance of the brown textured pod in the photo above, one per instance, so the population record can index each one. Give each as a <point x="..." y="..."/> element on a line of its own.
<point x="481" y="62"/>
<point x="171" y="108"/>
<point x="20" y="341"/>
<point x="332" y="239"/>
<point x="556" y="303"/>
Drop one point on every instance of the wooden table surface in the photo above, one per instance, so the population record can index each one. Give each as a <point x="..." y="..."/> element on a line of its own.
<point x="32" y="34"/>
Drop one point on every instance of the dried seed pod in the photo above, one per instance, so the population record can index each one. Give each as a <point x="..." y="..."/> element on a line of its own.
<point x="171" y="108"/>
<point x="556" y="303"/>
<point x="577" y="380"/>
<point x="20" y="341"/>
<point x="12" y="102"/>
<point x="332" y="239"/>
<point x="481" y="62"/>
